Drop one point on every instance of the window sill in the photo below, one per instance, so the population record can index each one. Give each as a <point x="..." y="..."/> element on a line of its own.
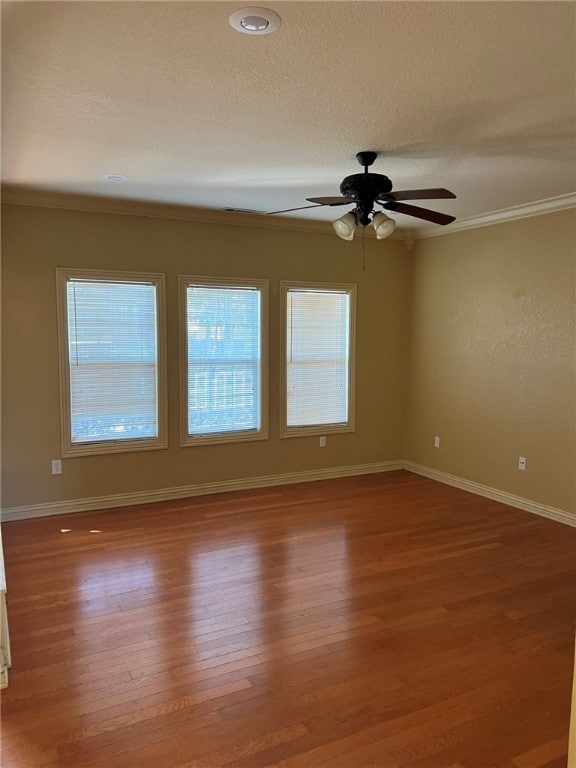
<point x="316" y="430"/>
<point x="220" y="438"/>
<point x="120" y="446"/>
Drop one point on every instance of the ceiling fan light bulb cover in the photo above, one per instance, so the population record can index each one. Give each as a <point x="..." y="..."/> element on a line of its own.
<point x="383" y="225"/>
<point x="345" y="226"/>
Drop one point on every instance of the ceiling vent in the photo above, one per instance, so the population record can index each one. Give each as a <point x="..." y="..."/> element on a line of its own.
<point x="244" y="210"/>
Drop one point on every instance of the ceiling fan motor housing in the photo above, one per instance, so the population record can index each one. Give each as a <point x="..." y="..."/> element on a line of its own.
<point x="364" y="186"/>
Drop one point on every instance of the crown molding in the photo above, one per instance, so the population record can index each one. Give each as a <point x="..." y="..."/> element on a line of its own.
<point x="16" y="195"/>
<point x="549" y="205"/>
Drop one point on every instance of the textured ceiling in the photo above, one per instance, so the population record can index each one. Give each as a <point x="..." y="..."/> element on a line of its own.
<point x="478" y="97"/>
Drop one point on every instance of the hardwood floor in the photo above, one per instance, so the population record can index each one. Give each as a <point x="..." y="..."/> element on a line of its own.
<point x="379" y="621"/>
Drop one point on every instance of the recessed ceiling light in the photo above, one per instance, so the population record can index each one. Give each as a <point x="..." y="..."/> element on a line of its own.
<point x="255" y="21"/>
<point x="116" y="177"/>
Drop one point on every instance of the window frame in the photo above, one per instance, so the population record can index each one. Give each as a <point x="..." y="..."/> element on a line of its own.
<point x="317" y="429"/>
<point x="70" y="449"/>
<point x="235" y="436"/>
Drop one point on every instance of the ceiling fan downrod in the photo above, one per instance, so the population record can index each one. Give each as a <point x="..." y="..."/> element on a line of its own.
<point x="366" y="159"/>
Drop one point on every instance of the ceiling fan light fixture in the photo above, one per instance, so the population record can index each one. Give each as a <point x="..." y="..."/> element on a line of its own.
<point x="383" y="225"/>
<point x="345" y="226"/>
<point x="255" y="21"/>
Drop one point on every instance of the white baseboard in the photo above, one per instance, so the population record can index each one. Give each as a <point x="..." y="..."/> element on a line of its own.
<point x="560" y="515"/>
<point x="202" y="489"/>
<point x="198" y="489"/>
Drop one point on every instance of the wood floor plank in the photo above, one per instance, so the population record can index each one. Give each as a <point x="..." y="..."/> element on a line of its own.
<point x="542" y="754"/>
<point x="384" y="621"/>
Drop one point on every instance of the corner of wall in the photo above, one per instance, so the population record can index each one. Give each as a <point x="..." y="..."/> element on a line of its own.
<point x="491" y="357"/>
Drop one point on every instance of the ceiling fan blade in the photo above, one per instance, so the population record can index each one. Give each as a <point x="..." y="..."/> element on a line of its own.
<point x="420" y="213"/>
<point x="420" y="194"/>
<point x="330" y="200"/>
<point x="287" y="210"/>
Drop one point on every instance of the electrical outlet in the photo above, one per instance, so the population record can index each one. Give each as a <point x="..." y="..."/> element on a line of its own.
<point x="522" y="463"/>
<point x="436" y="442"/>
<point x="322" y="442"/>
<point x="57" y="466"/>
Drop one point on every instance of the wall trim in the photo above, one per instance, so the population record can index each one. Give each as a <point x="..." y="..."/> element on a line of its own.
<point x="12" y="195"/>
<point x="552" y="513"/>
<point x="15" y="195"/>
<point x="549" y="205"/>
<point x="198" y="489"/>
<point x="95" y="503"/>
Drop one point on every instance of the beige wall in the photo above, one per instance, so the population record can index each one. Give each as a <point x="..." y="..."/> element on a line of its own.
<point x="487" y="315"/>
<point x="493" y="357"/>
<point x="37" y="240"/>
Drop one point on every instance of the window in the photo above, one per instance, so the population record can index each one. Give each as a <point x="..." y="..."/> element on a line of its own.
<point x="318" y="359"/>
<point x="224" y="360"/>
<point x="112" y="361"/>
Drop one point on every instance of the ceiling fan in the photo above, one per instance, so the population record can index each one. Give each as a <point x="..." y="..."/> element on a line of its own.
<point x="364" y="190"/>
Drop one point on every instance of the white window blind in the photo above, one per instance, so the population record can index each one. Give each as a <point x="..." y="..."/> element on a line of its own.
<point x="112" y="331"/>
<point x="317" y="357"/>
<point x="223" y="360"/>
